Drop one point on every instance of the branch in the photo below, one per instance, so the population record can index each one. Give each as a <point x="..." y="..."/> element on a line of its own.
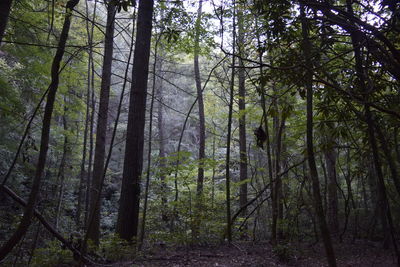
<point x="46" y="224"/>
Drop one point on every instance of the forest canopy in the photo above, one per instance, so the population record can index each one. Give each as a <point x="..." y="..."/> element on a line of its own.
<point x="130" y="125"/>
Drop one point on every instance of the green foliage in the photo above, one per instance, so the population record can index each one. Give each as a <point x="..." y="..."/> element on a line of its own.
<point x="114" y="248"/>
<point x="52" y="254"/>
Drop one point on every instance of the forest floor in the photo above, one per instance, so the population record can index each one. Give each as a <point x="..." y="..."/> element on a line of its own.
<point x="261" y="254"/>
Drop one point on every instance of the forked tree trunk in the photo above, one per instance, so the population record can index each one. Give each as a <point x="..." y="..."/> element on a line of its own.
<point x="128" y="213"/>
<point x="44" y="141"/>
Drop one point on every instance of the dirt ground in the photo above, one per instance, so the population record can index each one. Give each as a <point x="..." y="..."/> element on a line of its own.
<point x="261" y="254"/>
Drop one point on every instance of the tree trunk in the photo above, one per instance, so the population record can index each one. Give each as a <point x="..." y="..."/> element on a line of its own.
<point x="278" y="179"/>
<point x="228" y="140"/>
<point x="242" y="114"/>
<point x="61" y="170"/>
<point x="5" y="7"/>
<point x="332" y="207"/>
<point x="101" y="132"/>
<point x="201" y="126"/>
<point x="128" y="213"/>
<point x="161" y="137"/>
<point x="92" y="101"/>
<point x="384" y="208"/>
<point x="330" y="254"/>
<point x="268" y="143"/>
<point x="44" y="141"/>
<point x="84" y="173"/>
<point x="149" y="144"/>
<point x="200" y="102"/>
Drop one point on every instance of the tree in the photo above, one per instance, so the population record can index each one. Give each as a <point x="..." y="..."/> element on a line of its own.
<point x="44" y="140"/>
<point x="306" y="45"/>
<point x="229" y="134"/>
<point x="201" y="126"/>
<point x="242" y="112"/>
<point x="128" y="212"/>
<point x="101" y="132"/>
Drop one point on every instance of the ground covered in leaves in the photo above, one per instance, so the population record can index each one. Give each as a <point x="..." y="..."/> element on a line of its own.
<point x="262" y="254"/>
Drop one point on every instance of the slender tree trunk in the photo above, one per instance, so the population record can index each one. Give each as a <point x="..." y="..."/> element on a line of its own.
<point x="278" y="179"/>
<point x="242" y="114"/>
<point x="44" y="141"/>
<point x="61" y="170"/>
<point x="149" y="145"/>
<point x="5" y="8"/>
<point x="330" y="254"/>
<point x="201" y="126"/>
<point x="101" y="132"/>
<point x="228" y="140"/>
<point x="83" y="173"/>
<point x="128" y="213"/>
<point x="92" y="101"/>
<point x="200" y="102"/>
<point x="268" y="143"/>
<point x="161" y="137"/>
<point x="332" y="207"/>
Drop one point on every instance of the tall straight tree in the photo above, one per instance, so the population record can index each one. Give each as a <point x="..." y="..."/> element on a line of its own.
<point x="242" y="109"/>
<point x="45" y="136"/>
<point x="201" y="125"/>
<point x="228" y="139"/>
<point x="5" y="8"/>
<point x="202" y="128"/>
<point x="306" y="45"/>
<point x="128" y="213"/>
<point x="101" y="132"/>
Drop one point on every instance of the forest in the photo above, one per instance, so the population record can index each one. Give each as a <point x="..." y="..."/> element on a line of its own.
<point x="199" y="133"/>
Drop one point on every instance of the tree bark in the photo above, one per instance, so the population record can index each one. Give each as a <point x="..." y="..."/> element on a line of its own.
<point x="330" y="254"/>
<point x="5" y="8"/>
<point x="128" y="213"/>
<point x="44" y="141"/>
<point x="101" y="132"/>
